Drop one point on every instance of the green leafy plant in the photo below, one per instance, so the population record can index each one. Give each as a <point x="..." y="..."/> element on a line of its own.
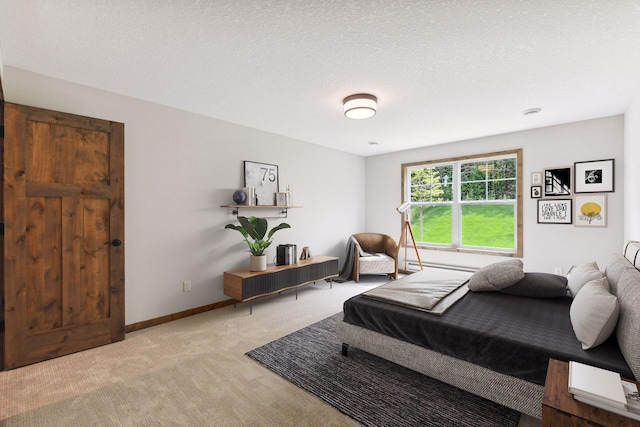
<point x="254" y="230"/>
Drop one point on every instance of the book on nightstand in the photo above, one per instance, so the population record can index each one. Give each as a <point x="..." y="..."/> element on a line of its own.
<point x="631" y="411"/>
<point x="604" y="389"/>
<point x="596" y="385"/>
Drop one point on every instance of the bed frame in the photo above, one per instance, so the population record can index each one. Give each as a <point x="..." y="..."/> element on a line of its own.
<point x="514" y="393"/>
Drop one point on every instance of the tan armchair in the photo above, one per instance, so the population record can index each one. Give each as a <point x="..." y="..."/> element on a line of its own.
<point x="375" y="253"/>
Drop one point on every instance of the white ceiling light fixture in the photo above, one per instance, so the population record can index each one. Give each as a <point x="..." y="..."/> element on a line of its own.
<point x="360" y="106"/>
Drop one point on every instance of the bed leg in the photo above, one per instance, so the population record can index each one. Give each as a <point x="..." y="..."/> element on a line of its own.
<point x="345" y="349"/>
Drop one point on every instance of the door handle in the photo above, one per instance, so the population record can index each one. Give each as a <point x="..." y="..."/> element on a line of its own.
<point x="116" y="242"/>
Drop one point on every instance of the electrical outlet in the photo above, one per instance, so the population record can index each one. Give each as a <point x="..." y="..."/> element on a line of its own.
<point x="558" y="271"/>
<point x="186" y="286"/>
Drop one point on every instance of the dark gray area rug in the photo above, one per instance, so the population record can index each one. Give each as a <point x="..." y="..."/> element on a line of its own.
<point x="371" y="390"/>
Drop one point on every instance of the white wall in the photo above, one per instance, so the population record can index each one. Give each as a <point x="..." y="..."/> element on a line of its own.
<point x="632" y="174"/>
<point x="179" y="168"/>
<point x="546" y="246"/>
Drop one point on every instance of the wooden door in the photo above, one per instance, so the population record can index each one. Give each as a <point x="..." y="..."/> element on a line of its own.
<point x="63" y="215"/>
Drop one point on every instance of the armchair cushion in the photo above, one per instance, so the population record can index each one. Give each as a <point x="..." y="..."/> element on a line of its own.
<point x="377" y="264"/>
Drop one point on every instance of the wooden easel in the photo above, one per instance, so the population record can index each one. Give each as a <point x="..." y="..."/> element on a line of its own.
<point x="403" y="242"/>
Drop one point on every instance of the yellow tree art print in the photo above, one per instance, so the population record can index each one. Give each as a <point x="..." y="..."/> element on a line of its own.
<point x="591" y="211"/>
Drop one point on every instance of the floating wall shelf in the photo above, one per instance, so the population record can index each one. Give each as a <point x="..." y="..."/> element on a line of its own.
<point x="236" y="208"/>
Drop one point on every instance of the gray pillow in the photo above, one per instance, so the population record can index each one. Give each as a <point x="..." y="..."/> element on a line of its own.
<point x="581" y="275"/>
<point x="594" y="314"/>
<point x="496" y="276"/>
<point x="539" y="285"/>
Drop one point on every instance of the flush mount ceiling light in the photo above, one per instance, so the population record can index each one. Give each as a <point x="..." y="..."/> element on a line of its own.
<point x="360" y="106"/>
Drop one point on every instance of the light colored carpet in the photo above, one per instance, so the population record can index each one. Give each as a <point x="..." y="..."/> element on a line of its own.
<point x="188" y="372"/>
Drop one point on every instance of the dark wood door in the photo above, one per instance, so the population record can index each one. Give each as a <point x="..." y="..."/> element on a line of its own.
<point x="63" y="215"/>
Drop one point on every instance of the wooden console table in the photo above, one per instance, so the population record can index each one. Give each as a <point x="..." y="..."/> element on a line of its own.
<point x="560" y="409"/>
<point x="245" y="285"/>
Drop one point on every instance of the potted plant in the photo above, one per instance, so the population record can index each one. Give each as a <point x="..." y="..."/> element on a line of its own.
<point x="254" y="230"/>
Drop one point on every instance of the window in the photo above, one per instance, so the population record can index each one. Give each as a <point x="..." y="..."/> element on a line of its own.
<point x="469" y="204"/>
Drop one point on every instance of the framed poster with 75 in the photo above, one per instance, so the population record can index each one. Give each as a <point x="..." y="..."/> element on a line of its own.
<point x="264" y="177"/>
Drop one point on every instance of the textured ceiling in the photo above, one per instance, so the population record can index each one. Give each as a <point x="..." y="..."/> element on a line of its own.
<point x="442" y="70"/>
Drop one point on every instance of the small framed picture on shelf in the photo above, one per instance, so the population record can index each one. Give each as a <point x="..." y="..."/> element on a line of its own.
<point x="536" y="191"/>
<point x="595" y="176"/>
<point x="554" y="211"/>
<point x="281" y="199"/>
<point x="591" y="211"/>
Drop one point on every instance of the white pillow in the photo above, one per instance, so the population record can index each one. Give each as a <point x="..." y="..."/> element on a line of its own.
<point x="582" y="274"/>
<point x="594" y="313"/>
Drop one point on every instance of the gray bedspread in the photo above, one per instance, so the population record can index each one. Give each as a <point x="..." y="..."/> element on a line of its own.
<point x="510" y="334"/>
<point x="432" y="291"/>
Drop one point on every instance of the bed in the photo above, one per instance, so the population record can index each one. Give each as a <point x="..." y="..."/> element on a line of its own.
<point x="494" y="344"/>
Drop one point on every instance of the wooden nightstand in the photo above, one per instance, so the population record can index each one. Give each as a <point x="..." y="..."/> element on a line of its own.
<point x="560" y="409"/>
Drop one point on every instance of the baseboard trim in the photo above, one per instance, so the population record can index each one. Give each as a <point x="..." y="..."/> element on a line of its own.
<point x="175" y="316"/>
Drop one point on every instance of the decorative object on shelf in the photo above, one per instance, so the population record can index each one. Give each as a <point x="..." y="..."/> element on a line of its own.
<point x="591" y="211"/>
<point x="536" y="178"/>
<point x="264" y="177"/>
<point x="250" y="192"/>
<point x="289" y="195"/>
<point x="254" y="230"/>
<point x="596" y="176"/>
<point x="281" y="199"/>
<point x="556" y="211"/>
<point x="306" y="254"/>
<point x="239" y="197"/>
<point x="557" y="182"/>
<point x="536" y="191"/>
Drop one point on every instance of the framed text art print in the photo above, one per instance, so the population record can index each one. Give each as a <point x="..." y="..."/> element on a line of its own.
<point x="595" y="176"/>
<point x="264" y="178"/>
<point x="591" y="210"/>
<point x="554" y="211"/>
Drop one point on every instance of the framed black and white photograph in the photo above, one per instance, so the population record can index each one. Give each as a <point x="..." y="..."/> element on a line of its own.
<point x="554" y="211"/>
<point x="595" y="176"/>
<point x="264" y="178"/>
<point x="536" y="178"/>
<point x="536" y="191"/>
<point x="557" y="182"/>
<point x="591" y="211"/>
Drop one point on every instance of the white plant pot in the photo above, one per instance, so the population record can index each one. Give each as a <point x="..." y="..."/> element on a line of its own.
<point x="257" y="263"/>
